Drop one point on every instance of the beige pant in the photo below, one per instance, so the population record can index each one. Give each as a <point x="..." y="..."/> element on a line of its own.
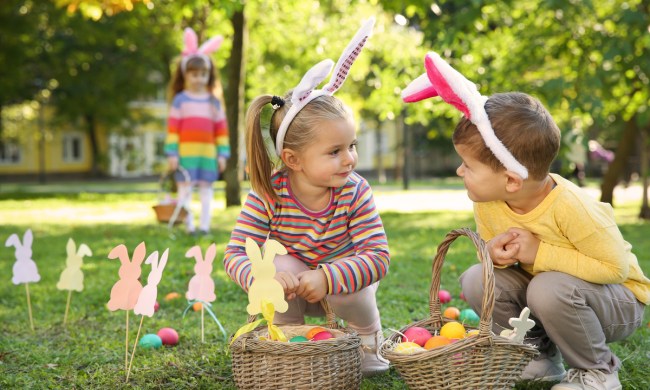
<point x="358" y="309"/>
<point x="579" y="317"/>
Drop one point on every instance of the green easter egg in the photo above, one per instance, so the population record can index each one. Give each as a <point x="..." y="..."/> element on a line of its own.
<point x="150" y="341"/>
<point x="298" y="339"/>
<point x="469" y="316"/>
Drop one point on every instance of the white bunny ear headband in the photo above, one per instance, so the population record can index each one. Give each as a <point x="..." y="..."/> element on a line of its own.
<point x="191" y="47"/>
<point x="442" y="80"/>
<point x="305" y="92"/>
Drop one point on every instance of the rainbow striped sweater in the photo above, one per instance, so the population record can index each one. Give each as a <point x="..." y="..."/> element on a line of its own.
<point x="349" y="229"/>
<point x="197" y="132"/>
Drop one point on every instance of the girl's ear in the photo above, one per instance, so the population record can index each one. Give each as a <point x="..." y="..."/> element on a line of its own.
<point x="514" y="182"/>
<point x="291" y="159"/>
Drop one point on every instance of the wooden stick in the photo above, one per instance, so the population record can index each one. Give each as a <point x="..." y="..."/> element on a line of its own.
<point x="67" y="306"/>
<point x="126" y="343"/>
<point x="134" y="346"/>
<point x="29" y="307"/>
<point x="202" y="333"/>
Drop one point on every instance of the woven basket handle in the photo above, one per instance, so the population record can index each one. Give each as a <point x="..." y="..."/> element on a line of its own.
<point x="330" y="317"/>
<point x="487" y="306"/>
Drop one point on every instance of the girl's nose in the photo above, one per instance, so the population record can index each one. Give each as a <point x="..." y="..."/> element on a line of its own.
<point x="460" y="171"/>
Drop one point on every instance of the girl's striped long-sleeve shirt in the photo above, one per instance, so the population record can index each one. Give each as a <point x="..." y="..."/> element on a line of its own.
<point x="349" y="229"/>
<point x="197" y="132"/>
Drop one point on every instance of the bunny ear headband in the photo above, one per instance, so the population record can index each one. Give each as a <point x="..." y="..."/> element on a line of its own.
<point x="305" y="92"/>
<point x="444" y="81"/>
<point x="191" y="47"/>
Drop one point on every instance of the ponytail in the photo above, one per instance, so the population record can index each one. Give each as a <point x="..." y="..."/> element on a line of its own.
<point x="259" y="163"/>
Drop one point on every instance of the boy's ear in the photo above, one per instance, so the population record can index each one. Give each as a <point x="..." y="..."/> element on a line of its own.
<point x="514" y="182"/>
<point x="290" y="159"/>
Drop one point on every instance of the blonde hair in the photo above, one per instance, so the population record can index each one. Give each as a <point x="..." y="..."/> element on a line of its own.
<point x="300" y="134"/>
<point x="525" y="128"/>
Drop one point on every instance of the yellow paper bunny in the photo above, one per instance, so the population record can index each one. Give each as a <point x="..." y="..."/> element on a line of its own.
<point x="264" y="286"/>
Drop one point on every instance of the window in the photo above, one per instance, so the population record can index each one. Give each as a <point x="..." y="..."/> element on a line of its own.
<point x="72" y="148"/>
<point x="9" y="153"/>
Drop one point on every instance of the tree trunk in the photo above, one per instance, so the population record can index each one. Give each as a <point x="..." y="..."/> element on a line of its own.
<point x="91" y="126"/>
<point x="621" y="156"/>
<point x="645" y="209"/>
<point x="235" y="104"/>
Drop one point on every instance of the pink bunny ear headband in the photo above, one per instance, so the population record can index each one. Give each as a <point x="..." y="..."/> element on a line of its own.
<point x="444" y="81"/>
<point x="305" y="92"/>
<point x="191" y="47"/>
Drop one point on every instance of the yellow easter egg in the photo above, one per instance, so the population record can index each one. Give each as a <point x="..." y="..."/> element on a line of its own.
<point x="473" y="332"/>
<point x="407" y="348"/>
<point x="453" y="330"/>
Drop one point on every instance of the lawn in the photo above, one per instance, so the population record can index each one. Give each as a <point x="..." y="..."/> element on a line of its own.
<point x="88" y="351"/>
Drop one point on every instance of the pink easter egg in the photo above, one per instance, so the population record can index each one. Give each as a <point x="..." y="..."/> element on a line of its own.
<point x="324" y="335"/>
<point x="156" y="306"/>
<point x="417" y="335"/>
<point x="168" y="336"/>
<point x="444" y="295"/>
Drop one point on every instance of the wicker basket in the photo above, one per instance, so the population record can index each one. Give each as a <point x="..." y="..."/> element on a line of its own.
<point x="168" y="185"/>
<point x="164" y="213"/>
<point x="485" y="361"/>
<point x="326" y="364"/>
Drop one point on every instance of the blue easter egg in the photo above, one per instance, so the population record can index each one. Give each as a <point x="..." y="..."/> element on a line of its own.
<point x="298" y="339"/>
<point x="469" y="316"/>
<point x="150" y="341"/>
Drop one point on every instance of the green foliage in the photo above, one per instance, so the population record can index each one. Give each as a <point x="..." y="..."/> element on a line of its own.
<point x="88" y="352"/>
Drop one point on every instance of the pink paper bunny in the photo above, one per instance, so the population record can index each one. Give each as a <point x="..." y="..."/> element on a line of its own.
<point x="126" y="291"/>
<point x="147" y="299"/>
<point x="24" y="270"/>
<point x="201" y="285"/>
<point x="72" y="278"/>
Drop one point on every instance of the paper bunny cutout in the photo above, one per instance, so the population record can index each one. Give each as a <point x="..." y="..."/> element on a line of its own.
<point x="306" y="90"/>
<point x="191" y="47"/>
<point x="201" y="285"/>
<point x="72" y="278"/>
<point x="147" y="298"/>
<point x="24" y="270"/>
<point x="442" y="80"/>
<point x="521" y="325"/>
<point x="126" y="291"/>
<point x="264" y="286"/>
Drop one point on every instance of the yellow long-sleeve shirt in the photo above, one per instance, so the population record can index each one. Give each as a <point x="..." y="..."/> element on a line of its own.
<point x="578" y="235"/>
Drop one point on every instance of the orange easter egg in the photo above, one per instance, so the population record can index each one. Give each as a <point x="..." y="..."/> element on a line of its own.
<point x="451" y="313"/>
<point x="313" y="331"/>
<point x="453" y="330"/>
<point x="436" y="341"/>
<point x="197" y="306"/>
<point x="324" y="335"/>
<point x="172" y="295"/>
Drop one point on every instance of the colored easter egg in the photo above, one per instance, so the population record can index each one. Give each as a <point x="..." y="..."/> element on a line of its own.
<point x="197" y="306"/>
<point x="462" y="296"/>
<point x="444" y="296"/>
<point x="312" y="332"/>
<point x="408" y="348"/>
<point x="469" y="316"/>
<point x="451" y="313"/>
<point x="473" y="332"/>
<point x="298" y="339"/>
<point x="172" y="295"/>
<point x="150" y="341"/>
<point x="453" y="330"/>
<point x="324" y="335"/>
<point x="156" y="306"/>
<point x="416" y="335"/>
<point x="168" y="336"/>
<point x="436" y="341"/>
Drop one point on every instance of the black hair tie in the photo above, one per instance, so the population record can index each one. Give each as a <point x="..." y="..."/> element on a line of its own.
<point x="277" y="102"/>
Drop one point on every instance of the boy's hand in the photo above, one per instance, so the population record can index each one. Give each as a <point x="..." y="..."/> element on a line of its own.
<point x="289" y="283"/>
<point x="313" y="285"/>
<point x="503" y="249"/>
<point x="527" y="243"/>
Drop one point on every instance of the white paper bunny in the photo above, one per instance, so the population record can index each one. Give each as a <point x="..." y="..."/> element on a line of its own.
<point x="147" y="299"/>
<point x="264" y="285"/>
<point x="24" y="270"/>
<point x="72" y="278"/>
<point x="201" y="285"/>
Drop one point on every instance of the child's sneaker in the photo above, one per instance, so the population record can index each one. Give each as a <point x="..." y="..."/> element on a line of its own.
<point x="545" y="367"/>
<point x="371" y="362"/>
<point x="577" y="379"/>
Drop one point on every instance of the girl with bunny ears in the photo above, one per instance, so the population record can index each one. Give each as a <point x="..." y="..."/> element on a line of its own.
<point x="197" y="130"/>
<point x="316" y="206"/>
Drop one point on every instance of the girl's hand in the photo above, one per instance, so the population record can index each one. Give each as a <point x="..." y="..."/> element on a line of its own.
<point x="221" y="164"/>
<point x="527" y="243"/>
<point x="313" y="285"/>
<point x="289" y="283"/>
<point x="503" y="249"/>
<point x="172" y="162"/>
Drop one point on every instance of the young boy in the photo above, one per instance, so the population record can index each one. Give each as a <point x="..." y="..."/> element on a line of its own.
<point x="555" y="249"/>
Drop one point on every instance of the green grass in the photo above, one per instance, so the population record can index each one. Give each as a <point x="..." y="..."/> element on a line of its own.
<point x="88" y="352"/>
